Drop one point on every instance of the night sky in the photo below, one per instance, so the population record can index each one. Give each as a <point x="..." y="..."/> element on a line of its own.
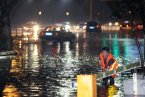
<point x="53" y="11"/>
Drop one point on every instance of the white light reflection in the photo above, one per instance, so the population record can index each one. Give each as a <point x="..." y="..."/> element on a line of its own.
<point x="84" y="35"/>
<point x="58" y="48"/>
<point x="36" y="29"/>
<point x="26" y="52"/>
<point x="135" y="83"/>
<point x="77" y="49"/>
<point x="20" y="44"/>
<point x="77" y="35"/>
<point x="67" y="47"/>
<point x="68" y="70"/>
<point x="34" y="57"/>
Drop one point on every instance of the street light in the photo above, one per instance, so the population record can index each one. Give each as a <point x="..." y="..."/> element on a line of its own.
<point x="129" y="12"/>
<point x="91" y="10"/>
<point x="67" y="13"/>
<point x="116" y="23"/>
<point x="110" y="24"/>
<point x="40" y="13"/>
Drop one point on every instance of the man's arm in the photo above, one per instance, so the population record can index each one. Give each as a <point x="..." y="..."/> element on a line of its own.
<point x="100" y="64"/>
<point x="110" y="63"/>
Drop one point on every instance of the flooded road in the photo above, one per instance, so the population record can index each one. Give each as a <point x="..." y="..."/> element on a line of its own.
<point x="48" y="70"/>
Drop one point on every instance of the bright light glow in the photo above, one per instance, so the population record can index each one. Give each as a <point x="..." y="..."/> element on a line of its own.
<point x="84" y="27"/>
<point x="40" y="13"/>
<point x="77" y="27"/>
<point x="67" y="23"/>
<point x="127" y="26"/>
<point x="91" y="27"/>
<point x="67" y="13"/>
<point x="116" y="23"/>
<point x="77" y="35"/>
<point x="36" y="29"/>
<point x="110" y="24"/>
<point x="120" y="25"/>
<point x="25" y="28"/>
<point x="26" y="38"/>
<point x="67" y="27"/>
<point x="111" y="27"/>
<point x="126" y="22"/>
<point x="58" y="29"/>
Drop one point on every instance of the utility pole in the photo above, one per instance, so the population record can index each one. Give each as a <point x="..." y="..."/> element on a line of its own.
<point x="91" y="10"/>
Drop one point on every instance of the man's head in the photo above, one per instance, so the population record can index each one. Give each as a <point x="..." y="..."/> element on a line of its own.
<point x="105" y="52"/>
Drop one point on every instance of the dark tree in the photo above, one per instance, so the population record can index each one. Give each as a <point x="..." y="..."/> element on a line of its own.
<point x="5" y="25"/>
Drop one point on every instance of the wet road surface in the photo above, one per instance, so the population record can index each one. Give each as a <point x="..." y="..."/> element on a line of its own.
<point x="48" y="70"/>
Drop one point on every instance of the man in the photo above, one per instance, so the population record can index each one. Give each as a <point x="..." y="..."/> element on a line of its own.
<point x="107" y="62"/>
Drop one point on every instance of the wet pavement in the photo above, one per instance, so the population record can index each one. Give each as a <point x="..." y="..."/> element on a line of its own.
<point x="49" y="70"/>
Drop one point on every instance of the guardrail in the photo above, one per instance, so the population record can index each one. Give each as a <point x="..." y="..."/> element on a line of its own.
<point x="8" y="53"/>
<point x="119" y="70"/>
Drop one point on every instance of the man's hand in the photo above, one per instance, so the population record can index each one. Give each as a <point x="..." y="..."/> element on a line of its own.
<point x="104" y="69"/>
<point x="108" y="67"/>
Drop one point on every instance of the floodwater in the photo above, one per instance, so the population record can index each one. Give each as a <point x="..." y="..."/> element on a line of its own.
<point x="50" y="69"/>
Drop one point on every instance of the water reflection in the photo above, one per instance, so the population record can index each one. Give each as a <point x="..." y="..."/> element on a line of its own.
<point x="47" y="70"/>
<point x="122" y="44"/>
<point x="16" y="66"/>
<point x="112" y="90"/>
<point x="109" y="91"/>
<point x="11" y="91"/>
<point x="115" y="46"/>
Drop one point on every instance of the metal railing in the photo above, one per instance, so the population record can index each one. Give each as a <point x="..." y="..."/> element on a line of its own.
<point x="119" y="70"/>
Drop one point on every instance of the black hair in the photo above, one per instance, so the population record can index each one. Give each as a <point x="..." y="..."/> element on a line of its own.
<point x="106" y="49"/>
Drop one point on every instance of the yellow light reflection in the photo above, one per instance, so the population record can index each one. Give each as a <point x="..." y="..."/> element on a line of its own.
<point x="16" y="66"/>
<point x="112" y="90"/>
<point x="11" y="91"/>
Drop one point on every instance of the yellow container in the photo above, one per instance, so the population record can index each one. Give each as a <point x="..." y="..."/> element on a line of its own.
<point x="86" y="86"/>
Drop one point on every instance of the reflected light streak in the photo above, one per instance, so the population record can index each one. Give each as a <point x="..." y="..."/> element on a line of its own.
<point x="77" y="49"/>
<point x="11" y="91"/>
<point x="104" y="40"/>
<point x="58" y="48"/>
<point x="67" y="48"/>
<point x="115" y="46"/>
<point x="77" y="35"/>
<point x="36" y="29"/>
<point x="112" y="91"/>
<point x="84" y="35"/>
<point x="135" y="83"/>
<point x="35" y="56"/>
<point x="16" y="66"/>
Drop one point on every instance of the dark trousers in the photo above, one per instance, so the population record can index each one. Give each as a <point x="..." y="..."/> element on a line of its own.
<point x="105" y="81"/>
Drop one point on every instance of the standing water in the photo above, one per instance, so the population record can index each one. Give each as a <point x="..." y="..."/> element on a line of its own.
<point x="50" y="69"/>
